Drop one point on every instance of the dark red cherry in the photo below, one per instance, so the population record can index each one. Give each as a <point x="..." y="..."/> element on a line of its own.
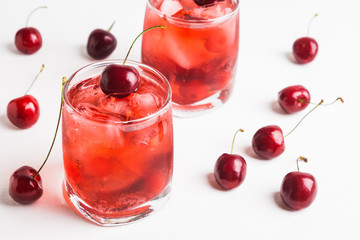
<point x="119" y="80"/>
<point x="28" y="40"/>
<point x="305" y="49"/>
<point x="294" y="98"/>
<point x="24" y="111"/>
<point x="23" y="187"/>
<point x="101" y="43"/>
<point x="230" y="170"/>
<point x="298" y="189"/>
<point x="206" y="2"/>
<point x="268" y="142"/>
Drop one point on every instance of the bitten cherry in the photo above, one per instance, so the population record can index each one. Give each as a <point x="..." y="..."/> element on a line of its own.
<point x="28" y="40"/>
<point x="121" y="80"/>
<point x="298" y="189"/>
<point x="23" y="187"/>
<point x="25" y="184"/>
<point x="305" y="49"/>
<point x="294" y="98"/>
<point x="24" y="111"/>
<point x="101" y="43"/>
<point x="230" y="169"/>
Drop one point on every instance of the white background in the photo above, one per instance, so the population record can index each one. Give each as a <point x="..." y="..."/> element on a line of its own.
<point x="197" y="209"/>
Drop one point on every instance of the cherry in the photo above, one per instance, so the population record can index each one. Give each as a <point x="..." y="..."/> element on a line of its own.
<point x="305" y="49"/>
<point x="23" y="187"/>
<point x="101" y="43"/>
<point x="121" y="80"/>
<point x="298" y="189"/>
<point x="24" y="111"/>
<point x="230" y="169"/>
<point x="294" y="98"/>
<point x="268" y="142"/>
<point x="25" y="184"/>
<point x="206" y="2"/>
<point x="28" y="40"/>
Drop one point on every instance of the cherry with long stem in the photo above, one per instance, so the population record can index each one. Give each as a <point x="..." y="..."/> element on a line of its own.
<point x="24" y="111"/>
<point x="25" y="184"/>
<point x="268" y="142"/>
<point x="230" y="169"/>
<point x="121" y="80"/>
<point x="28" y="40"/>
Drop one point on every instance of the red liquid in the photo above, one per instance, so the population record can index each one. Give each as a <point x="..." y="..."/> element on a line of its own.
<point x="198" y="58"/>
<point x="112" y="165"/>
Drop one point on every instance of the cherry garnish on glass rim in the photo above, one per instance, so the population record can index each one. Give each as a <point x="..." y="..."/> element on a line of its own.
<point x="121" y="80"/>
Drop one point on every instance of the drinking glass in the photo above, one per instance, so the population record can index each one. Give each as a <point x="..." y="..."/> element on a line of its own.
<point x="197" y="52"/>
<point x="117" y="152"/>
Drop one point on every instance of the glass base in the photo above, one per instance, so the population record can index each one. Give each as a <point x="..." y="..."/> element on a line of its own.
<point x="125" y="217"/>
<point x="204" y="106"/>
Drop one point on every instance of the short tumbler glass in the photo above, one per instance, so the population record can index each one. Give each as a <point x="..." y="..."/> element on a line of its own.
<point x="197" y="52"/>
<point x="118" y="153"/>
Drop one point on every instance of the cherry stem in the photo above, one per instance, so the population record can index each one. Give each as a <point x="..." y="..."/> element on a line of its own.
<point x="127" y="55"/>
<point x="111" y="26"/>
<point x="321" y="102"/>
<point x="28" y="18"/>
<point x="308" y="30"/>
<point x="56" y="130"/>
<point x="37" y="75"/>
<point x="325" y="104"/>
<point x="232" y="146"/>
<point x="300" y="159"/>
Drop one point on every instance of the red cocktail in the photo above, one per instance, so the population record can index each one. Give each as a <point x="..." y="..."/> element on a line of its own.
<point x="197" y="52"/>
<point x="118" y="152"/>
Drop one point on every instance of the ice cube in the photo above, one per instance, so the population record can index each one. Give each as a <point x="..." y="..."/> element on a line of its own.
<point x="133" y="107"/>
<point x="170" y="7"/>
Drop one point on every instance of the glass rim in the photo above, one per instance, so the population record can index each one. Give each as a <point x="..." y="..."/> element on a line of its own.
<point x="119" y="62"/>
<point x="195" y="21"/>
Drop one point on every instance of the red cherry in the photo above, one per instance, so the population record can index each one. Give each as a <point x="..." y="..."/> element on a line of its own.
<point x="305" y="50"/>
<point x="206" y="2"/>
<point x="24" y="111"/>
<point x="298" y="189"/>
<point x="28" y="40"/>
<point x="119" y="80"/>
<point x="101" y="43"/>
<point x="294" y="98"/>
<point x="23" y="187"/>
<point x="268" y="142"/>
<point x="230" y="169"/>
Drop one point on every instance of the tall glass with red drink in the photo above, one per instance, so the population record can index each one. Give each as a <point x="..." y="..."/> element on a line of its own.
<point x="197" y="52"/>
<point x="118" y="152"/>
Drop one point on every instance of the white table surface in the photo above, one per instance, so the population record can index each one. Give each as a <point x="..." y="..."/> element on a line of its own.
<point x="197" y="209"/>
